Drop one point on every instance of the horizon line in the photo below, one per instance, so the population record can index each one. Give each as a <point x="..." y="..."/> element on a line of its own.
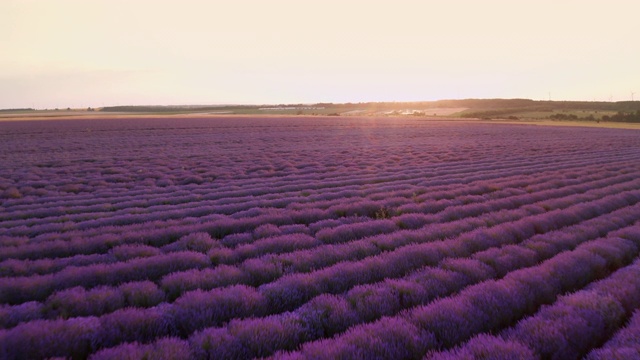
<point x="227" y="104"/>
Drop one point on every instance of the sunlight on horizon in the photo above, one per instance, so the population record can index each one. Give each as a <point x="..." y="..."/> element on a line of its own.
<point x="69" y="53"/>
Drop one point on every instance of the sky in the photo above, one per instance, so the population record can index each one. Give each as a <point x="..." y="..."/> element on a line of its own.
<point x="81" y="53"/>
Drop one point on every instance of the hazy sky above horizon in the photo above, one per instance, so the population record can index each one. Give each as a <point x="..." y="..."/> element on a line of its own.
<point x="78" y="53"/>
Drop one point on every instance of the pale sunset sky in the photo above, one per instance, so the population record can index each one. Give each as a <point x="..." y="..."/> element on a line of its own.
<point x="79" y="53"/>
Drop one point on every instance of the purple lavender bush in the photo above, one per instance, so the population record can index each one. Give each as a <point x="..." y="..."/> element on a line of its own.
<point x="323" y="237"/>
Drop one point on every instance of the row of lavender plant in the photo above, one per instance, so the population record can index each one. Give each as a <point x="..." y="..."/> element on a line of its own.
<point x="315" y="201"/>
<point x="573" y="325"/>
<point x="393" y="337"/>
<point x="39" y="284"/>
<point x="488" y="306"/>
<point x="190" y="197"/>
<point x="373" y="207"/>
<point x="186" y="195"/>
<point x="239" y="301"/>
<point x="209" y="207"/>
<point x="133" y="234"/>
<point x="81" y="302"/>
<point x="83" y="258"/>
<point x="102" y="242"/>
<point x="202" y="195"/>
<point x="261" y="337"/>
<point x="36" y="287"/>
<point x="624" y="344"/>
<point x="128" y="218"/>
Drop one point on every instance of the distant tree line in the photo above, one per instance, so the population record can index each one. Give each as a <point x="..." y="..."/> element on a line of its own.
<point x="140" y="108"/>
<point x="162" y="108"/>
<point x="623" y="117"/>
<point x="571" y="117"/>
<point x="618" y="117"/>
<point x="15" y="110"/>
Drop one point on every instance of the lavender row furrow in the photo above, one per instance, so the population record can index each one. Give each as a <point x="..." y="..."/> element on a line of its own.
<point x="52" y="247"/>
<point x="292" y="290"/>
<point x="269" y="268"/>
<point x="39" y="287"/>
<point x="302" y="261"/>
<point x="288" y="330"/>
<point x="235" y="301"/>
<point x="242" y="300"/>
<point x="319" y="237"/>
<point x="68" y="219"/>
<point x="575" y="323"/>
<point x="71" y="226"/>
<point x="261" y="268"/>
<point x="129" y="218"/>
<point x="488" y="306"/>
<point x="625" y="344"/>
<point x="17" y="290"/>
<point x="421" y="174"/>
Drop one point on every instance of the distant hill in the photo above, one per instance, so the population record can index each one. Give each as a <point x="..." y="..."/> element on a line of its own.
<point x="497" y="104"/>
<point x="513" y="109"/>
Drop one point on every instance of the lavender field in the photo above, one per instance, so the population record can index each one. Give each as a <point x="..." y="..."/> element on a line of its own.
<point x="296" y="238"/>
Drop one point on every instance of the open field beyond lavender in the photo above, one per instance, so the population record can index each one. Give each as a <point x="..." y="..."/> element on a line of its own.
<point x="294" y="238"/>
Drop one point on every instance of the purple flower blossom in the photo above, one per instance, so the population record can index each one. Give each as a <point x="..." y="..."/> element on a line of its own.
<point x="317" y="238"/>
